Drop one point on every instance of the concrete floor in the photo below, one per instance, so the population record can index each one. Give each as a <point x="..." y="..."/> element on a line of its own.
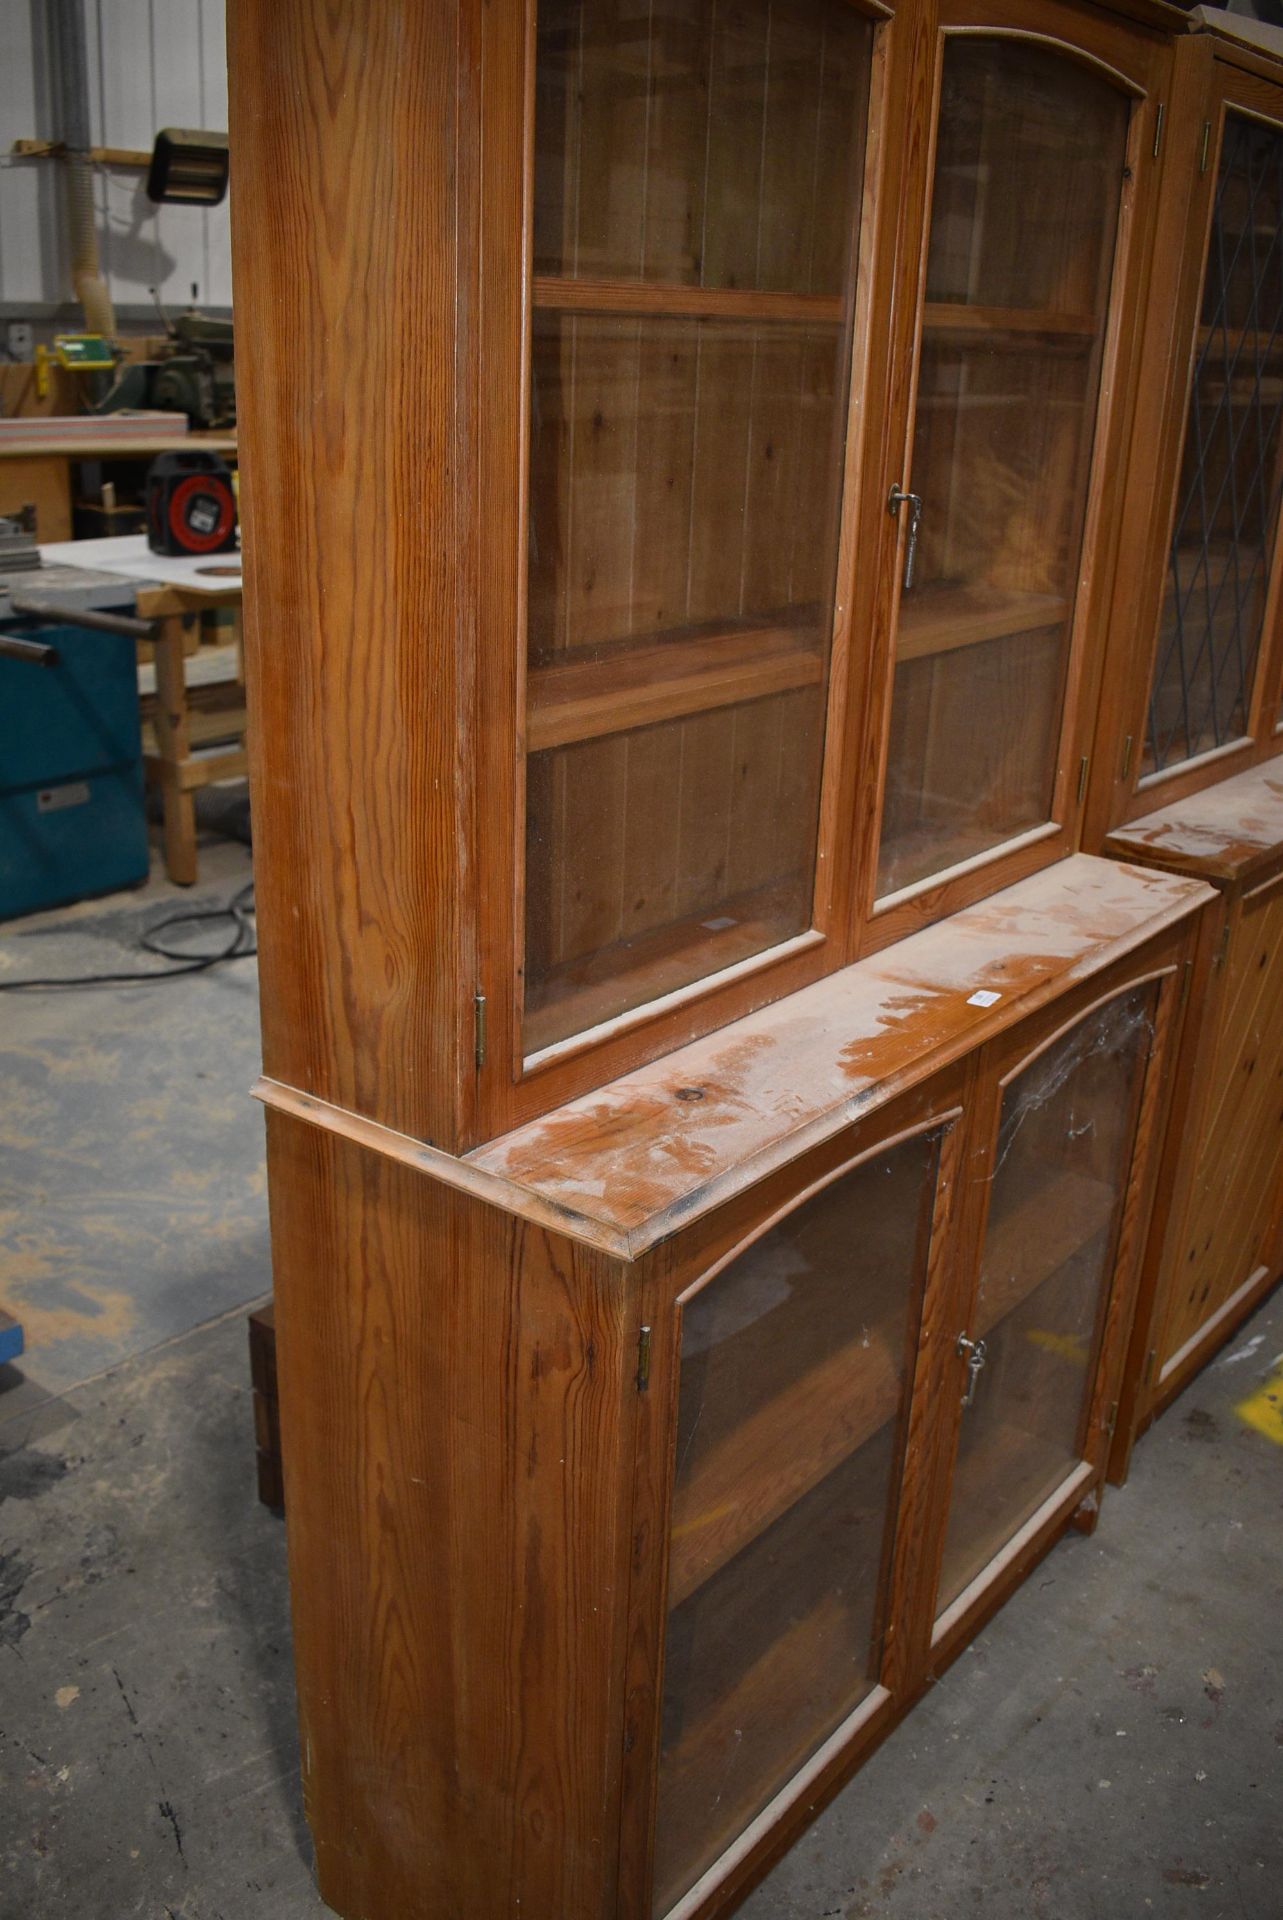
<point x="1112" y="1745"/>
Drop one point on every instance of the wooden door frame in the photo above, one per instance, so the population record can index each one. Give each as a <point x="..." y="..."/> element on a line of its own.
<point x="686" y="1265"/>
<point x="1138" y="59"/>
<point x="511" y="1088"/>
<point x="1005" y="1058"/>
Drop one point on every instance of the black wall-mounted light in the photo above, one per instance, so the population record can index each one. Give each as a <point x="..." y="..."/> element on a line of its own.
<point x="188" y="168"/>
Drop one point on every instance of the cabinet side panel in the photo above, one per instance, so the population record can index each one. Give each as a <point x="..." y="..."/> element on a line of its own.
<point x="457" y="1411"/>
<point x="1228" y="1225"/>
<point x="351" y="197"/>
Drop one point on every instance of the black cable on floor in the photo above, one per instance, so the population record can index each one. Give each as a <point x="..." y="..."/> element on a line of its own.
<point x="241" y="946"/>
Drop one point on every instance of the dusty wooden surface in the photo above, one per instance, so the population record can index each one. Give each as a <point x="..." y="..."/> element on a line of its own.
<point x="1224" y="833"/>
<point x="676" y="1137"/>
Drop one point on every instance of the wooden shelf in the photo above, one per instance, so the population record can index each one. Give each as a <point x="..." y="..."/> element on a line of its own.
<point x="783" y="1645"/>
<point x="999" y="1483"/>
<point x="662" y="299"/>
<point x="1037" y="1239"/>
<point x="645" y="685"/>
<point x="767" y="1461"/>
<point x="1038" y="324"/>
<point x="785" y="1674"/>
<point x="577" y="995"/>
<point x="1239" y="337"/>
<point x="939" y="619"/>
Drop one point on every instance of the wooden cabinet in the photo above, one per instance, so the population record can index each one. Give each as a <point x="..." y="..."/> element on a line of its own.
<point x="631" y="1493"/>
<point x="1216" y="1246"/>
<point x="1187" y="774"/>
<point x="684" y="490"/>
<point x="1195" y="659"/>
<point x="672" y="715"/>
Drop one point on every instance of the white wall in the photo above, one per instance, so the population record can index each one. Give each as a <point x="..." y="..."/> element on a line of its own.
<point x="152" y="64"/>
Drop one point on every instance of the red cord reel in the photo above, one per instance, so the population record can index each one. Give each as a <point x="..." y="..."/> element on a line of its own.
<point x="191" y="507"/>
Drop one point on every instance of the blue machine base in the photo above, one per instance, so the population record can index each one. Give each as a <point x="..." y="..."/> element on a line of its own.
<point x="11" y="1342"/>
<point x="72" y="819"/>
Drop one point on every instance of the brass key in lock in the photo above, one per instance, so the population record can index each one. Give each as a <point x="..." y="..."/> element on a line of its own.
<point x="975" y="1353"/>
<point x="895" y="500"/>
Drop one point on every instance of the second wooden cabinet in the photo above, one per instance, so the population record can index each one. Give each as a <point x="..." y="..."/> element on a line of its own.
<point x="646" y="1462"/>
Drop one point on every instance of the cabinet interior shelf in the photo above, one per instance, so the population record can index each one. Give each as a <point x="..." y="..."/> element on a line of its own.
<point x="776" y="1454"/>
<point x="667" y="299"/>
<point x="1002" y="1478"/>
<point x="577" y="994"/>
<point x="1255" y="339"/>
<point x="767" y="1692"/>
<point x="638" y="686"/>
<point x="1037" y="1239"/>
<point x="940" y="619"/>
<point x="1034" y="324"/>
<point x="773" y="1456"/>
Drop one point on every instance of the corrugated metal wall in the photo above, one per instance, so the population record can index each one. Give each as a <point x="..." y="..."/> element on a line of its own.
<point x="152" y="64"/>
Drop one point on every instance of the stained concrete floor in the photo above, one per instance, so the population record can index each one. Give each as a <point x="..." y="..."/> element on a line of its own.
<point x="1110" y="1747"/>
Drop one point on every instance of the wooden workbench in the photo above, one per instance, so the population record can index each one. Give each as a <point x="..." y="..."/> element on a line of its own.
<point x="37" y="471"/>
<point x="183" y="722"/>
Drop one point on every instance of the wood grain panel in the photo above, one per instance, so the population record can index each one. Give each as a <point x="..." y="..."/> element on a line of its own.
<point x="350" y="174"/>
<point x="456" y="1405"/>
<point x="1226" y="1230"/>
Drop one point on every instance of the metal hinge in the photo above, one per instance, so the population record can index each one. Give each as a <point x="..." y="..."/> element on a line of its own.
<point x="1083" y="765"/>
<point x="1158" y="127"/>
<point x="1127" y="757"/>
<point x="643" y="1359"/>
<point x="1207" y="141"/>
<point x="1112" y="1421"/>
<point x="1222" y="946"/>
<point x="1150" y="1358"/>
<point x="479" y="1028"/>
<point x="1186" y="971"/>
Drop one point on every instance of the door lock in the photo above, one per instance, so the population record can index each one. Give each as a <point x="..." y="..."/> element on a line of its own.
<point x="975" y="1353"/>
<point x="896" y="499"/>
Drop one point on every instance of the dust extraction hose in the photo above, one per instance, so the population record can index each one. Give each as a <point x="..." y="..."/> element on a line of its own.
<point x="86" y="272"/>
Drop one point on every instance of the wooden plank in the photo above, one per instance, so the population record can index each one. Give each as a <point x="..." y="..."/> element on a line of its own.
<point x="588" y="988"/>
<point x="640" y="686"/>
<point x="946" y="316"/>
<point x="552" y="293"/>
<point x="770" y="1459"/>
<point x="41" y="480"/>
<point x="941" y="619"/>
<point x="1049" y="1228"/>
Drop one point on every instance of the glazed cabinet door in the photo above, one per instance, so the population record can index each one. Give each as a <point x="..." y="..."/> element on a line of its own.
<point x="796" y="1357"/>
<point x="696" y="207"/>
<point x="1058" y="1174"/>
<point x="1029" y="259"/>
<point x="1201" y="572"/>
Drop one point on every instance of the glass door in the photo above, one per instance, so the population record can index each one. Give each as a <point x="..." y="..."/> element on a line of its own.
<point x="696" y="209"/>
<point x="796" y="1370"/>
<point x="1221" y="552"/>
<point x="1030" y="163"/>
<point x="1060" y="1174"/>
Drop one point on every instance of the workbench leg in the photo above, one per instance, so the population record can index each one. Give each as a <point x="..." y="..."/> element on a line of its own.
<point x="174" y="749"/>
